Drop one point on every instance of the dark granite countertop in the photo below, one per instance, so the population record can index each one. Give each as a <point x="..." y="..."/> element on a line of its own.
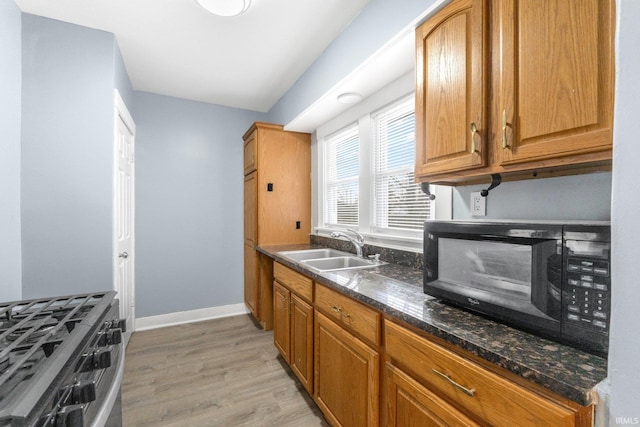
<point x="397" y="290"/>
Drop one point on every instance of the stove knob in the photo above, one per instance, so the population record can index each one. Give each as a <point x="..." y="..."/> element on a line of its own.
<point x="121" y="324"/>
<point x="70" y="416"/>
<point x="84" y="391"/>
<point x="86" y="362"/>
<point x="114" y="337"/>
<point x="101" y="359"/>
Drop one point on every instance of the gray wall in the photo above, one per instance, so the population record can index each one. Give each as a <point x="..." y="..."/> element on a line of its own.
<point x="189" y="204"/>
<point x="377" y="24"/>
<point x="624" y="372"/>
<point x="10" y="101"/>
<point x="67" y="140"/>
<point x="581" y="197"/>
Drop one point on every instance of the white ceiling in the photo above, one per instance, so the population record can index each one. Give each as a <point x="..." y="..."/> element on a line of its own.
<point x="175" y="48"/>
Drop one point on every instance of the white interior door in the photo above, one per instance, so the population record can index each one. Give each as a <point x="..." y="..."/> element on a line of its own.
<point x="124" y="213"/>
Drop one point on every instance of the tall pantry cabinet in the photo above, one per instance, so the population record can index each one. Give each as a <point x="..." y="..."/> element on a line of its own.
<point x="277" y="206"/>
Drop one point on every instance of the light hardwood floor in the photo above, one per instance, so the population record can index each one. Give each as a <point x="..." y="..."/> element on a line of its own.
<point x="223" y="372"/>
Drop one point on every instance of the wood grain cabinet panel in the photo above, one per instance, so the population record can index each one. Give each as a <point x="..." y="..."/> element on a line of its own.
<point x="537" y="79"/>
<point x="251" y="279"/>
<point x="295" y="281"/>
<point x="277" y="204"/>
<point x="250" y="153"/>
<point x="555" y="83"/>
<point x="409" y="404"/>
<point x="293" y="322"/>
<point x="451" y="89"/>
<point x="282" y="321"/>
<point x="302" y="341"/>
<point x="346" y="376"/>
<point x="352" y="315"/>
<point x="483" y="394"/>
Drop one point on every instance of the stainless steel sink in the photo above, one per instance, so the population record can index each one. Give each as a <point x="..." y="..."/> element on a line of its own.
<point x="313" y="254"/>
<point x="325" y="259"/>
<point x="340" y="263"/>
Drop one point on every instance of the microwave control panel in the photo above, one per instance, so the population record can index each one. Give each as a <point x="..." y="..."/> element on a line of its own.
<point x="588" y="293"/>
<point x="586" y="302"/>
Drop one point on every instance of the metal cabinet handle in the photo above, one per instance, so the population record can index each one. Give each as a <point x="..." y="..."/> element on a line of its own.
<point x="474" y="130"/>
<point x="340" y="311"/>
<point x="123" y="255"/>
<point x="468" y="391"/>
<point x="504" y="129"/>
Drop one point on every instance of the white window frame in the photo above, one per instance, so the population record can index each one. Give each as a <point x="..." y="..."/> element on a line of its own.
<point x="330" y="182"/>
<point x="374" y="226"/>
<point x="361" y="113"/>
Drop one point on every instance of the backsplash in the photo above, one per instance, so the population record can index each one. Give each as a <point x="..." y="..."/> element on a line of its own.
<point x="394" y="256"/>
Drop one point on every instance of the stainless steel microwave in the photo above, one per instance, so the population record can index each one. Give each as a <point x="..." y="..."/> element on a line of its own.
<point x="549" y="278"/>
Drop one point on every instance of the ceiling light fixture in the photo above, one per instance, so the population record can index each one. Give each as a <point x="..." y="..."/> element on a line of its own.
<point x="349" y="98"/>
<point x="225" y="7"/>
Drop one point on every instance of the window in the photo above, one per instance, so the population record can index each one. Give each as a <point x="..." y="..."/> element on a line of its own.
<point x="342" y="163"/>
<point x="364" y="175"/>
<point x="398" y="202"/>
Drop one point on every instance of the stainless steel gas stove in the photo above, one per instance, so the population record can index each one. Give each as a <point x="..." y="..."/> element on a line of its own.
<point x="61" y="361"/>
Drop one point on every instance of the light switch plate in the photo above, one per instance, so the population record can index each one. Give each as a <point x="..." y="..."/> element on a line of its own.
<point x="478" y="206"/>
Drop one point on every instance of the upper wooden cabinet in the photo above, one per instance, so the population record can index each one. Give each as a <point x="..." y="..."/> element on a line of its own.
<point x="282" y="161"/>
<point x="550" y="89"/>
<point x="555" y="85"/>
<point x="250" y="153"/>
<point x="451" y="107"/>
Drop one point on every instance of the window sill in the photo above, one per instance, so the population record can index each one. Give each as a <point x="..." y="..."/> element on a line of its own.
<point x="404" y="243"/>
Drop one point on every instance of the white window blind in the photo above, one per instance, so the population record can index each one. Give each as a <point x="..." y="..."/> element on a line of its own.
<point x="398" y="202"/>
<point x="342" y="168"/>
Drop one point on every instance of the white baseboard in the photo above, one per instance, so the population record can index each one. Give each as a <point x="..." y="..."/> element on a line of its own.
<point x="171" y="319"/>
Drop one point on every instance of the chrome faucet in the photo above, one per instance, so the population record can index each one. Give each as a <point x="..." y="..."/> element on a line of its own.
<point x="358" y="240"/>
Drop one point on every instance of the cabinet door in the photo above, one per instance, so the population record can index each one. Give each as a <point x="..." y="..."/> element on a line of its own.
<point x="451" y="105"/>
<point x="346" y="376"/>
<point x="251" y="279"/>
<point x="281" y="322"/>
<point x="555" y="81"/>
<point x="250" y="209"/>
<point x="250" y="153"/>
<point x="410" y="404"/>
<point x="302" y="341"/>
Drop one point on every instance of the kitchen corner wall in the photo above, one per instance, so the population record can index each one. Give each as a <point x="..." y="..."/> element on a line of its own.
<point x="10" y="118"/>
<point x="189" y="204"/>
<point x="68" y="78"/>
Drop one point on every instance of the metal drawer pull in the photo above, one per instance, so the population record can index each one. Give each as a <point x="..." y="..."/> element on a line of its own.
<point x="468" y="391"/>
<point x="504" y="129"/>
<point x="339" y="311"/>
<point x="474" y="130"/>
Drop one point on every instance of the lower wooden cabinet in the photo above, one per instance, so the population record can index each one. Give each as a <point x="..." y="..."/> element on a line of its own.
<point x="346" y="376"/>
<point x="483" y="396"/>
<point x="336" y="347"/>
<point x="409" y="404"/>
<point x="251" y="279"/>
<point x="293" y="323"/>
<point x="301" y="348"/>
<point x="281" y="320"/>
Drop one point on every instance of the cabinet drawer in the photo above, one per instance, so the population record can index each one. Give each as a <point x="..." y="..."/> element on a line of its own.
<point x="349" y="313"/>
<point x="296" y="282"/>
<point x="480" y="393"/>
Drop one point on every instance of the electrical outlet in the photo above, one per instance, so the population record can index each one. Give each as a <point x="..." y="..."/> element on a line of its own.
<point x="478" y="206"/>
